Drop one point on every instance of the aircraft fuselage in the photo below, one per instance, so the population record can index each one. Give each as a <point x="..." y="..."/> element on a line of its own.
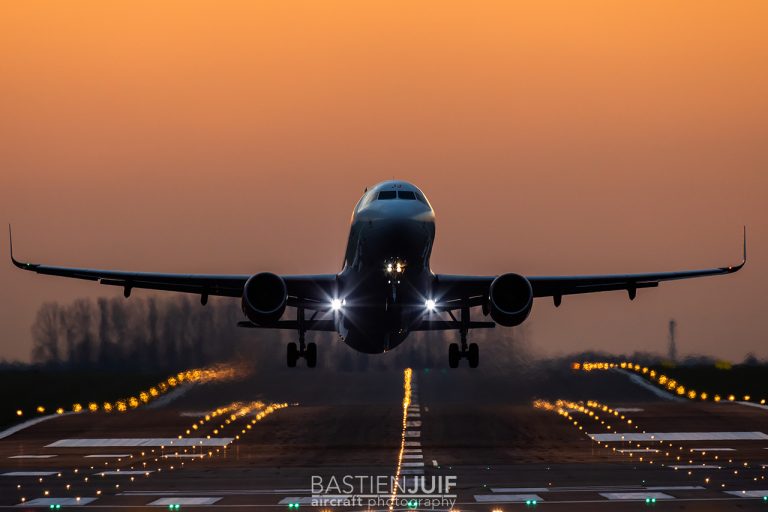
<point x="386" y="278"/>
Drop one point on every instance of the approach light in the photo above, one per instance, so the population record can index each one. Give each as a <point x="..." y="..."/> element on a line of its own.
<point x="336" y="304"/>
<point x="430" y="304"/>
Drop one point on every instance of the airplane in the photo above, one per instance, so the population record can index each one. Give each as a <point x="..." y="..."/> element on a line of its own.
<point x="385" y="289"/>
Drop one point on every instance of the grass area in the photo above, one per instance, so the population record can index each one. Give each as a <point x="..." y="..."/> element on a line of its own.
<point x="27" y="389"/>
<point x="739" y="380"/>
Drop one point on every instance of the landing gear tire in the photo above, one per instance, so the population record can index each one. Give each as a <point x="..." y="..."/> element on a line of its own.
<point x="473" y="355"/>
<point x="453" y="355"/>
<point x="311" y="355"/>
<point x="292" y="355"/>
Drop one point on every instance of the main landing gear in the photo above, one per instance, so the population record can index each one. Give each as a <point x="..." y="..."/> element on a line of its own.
<point x="306" y="350"/>
<point x="469" y="351"/>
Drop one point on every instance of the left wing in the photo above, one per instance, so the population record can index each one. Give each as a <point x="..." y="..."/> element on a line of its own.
<point x="312" y="288"/>
<point x="452" y="289"/>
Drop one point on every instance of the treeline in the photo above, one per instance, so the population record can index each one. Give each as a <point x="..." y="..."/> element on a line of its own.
<point x="158" y="333"/>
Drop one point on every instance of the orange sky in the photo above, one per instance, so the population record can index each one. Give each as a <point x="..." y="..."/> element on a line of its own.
<point x="551" y="137"/>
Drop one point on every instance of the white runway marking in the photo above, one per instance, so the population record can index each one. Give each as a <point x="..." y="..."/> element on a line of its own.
<point x="518" y="489"/>
<point x="185" y="501"/>
<point x="628" y="409"/>
<point x="31" y="456"/>
<point x="713" y="449"/>
<point x="412" y="471"/>
<point x="25" y="424"/>
<point x="598" y="488"/>
<point x="639" y="450"/>
<point x="107" y="455"/>
<point x="434" y="463"/>
<point x="118" y="473"/>
<point x="412" y="456"/>
<point x="64" y="502"/>
<point x="636" y="496"/>
<point x="751" y="404"/>
<point x="413" y="464"/>
<point x="413" y="443"/>
<point x="301" y="500"/>
<point x="747" y="494"/>
<point x="412" y="433"/>
<point x="183" y="456"/>
<point x="216" y="492"/>
<point x="413" y="415"/>
<point x="412" y="423"/>
<point x="31" y="473"/>
<point x="412" y="450"/>
<point x="168" y="442"/>
<point x="695" y="466"/>
<point x="680" y="436"/>
<point x="506" y="498"/>
<point x="650" y="387"/>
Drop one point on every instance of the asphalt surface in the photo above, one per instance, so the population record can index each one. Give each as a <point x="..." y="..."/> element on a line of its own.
<point x="479" y="428"/>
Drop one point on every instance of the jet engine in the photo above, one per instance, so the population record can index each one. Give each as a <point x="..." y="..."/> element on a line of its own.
<point x="264" y="298"/>
<point x="510" y="299"/>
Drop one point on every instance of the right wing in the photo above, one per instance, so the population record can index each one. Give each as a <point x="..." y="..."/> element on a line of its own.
<point x="311" y="290"/>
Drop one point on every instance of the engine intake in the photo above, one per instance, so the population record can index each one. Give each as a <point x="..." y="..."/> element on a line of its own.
<point x="510" y="299"/>
<point x="264" y="298"/>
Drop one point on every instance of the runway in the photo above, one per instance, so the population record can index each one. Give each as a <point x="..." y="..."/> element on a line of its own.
<point x="478" y="427"/>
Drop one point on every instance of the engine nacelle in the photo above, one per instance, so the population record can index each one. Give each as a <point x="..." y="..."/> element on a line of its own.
<point x="510" y="299"/>
<point x="264" y="298"/>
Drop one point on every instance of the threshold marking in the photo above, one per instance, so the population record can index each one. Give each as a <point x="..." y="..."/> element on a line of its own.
<point x="185" y="501"/>
<point x="46" y="502"/>
<point x="118" y="473"/>
<point x="168" y="442"/>
<point x="413" y="423"/>
<point x="638" y="450"/>
<point x="680" y="436"/>
<point x="748" y="494"/>
<point x="636" y="496"/>
<point x="31" y="456"/>
<point x="713" y="449"/>
<point x="695" y="466"/>
<point x="413" y="456"/>
<point x="506" y="498"/>
<point x="412" y="433"/>
<point x="31" y="473"/>
<point x="107" y="455"/>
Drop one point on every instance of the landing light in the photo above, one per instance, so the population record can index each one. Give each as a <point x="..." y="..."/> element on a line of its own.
<point x="430" y="304"/>
<point x="336" y="304"/>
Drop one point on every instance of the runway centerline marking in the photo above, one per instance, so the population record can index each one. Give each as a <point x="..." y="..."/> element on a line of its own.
<point x="32" y="456"/>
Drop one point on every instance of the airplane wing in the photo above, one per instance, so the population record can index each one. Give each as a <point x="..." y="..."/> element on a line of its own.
<point x="312" y="288"/>
<point x="452" y="289"/>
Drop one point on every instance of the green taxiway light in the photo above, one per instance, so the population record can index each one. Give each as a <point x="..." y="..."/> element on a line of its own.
<point x="55" y="506"/>
<point x="293" y="506"/>
<point x="174" y="506"/>
<point x="412" y="504"/>
<point x="530" y="502"/>
<point x="765" y="498"/>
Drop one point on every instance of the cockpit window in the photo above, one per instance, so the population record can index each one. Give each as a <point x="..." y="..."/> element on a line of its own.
<point x="406" y="194"/>
<point x="387" y="194"/>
